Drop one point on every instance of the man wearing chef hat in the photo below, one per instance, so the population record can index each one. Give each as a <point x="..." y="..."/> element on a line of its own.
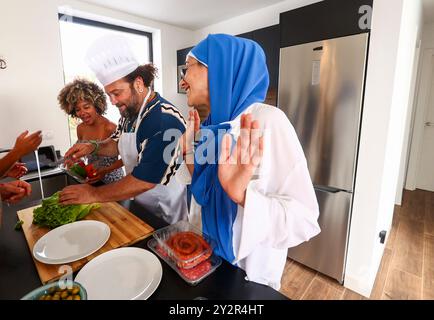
<point x="139" y="139"/>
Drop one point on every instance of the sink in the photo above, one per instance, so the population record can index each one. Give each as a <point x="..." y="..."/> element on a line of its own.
<point x="51" y="185"/>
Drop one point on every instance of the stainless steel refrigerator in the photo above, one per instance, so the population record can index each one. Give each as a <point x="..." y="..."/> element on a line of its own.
<point x="321" y="89"/>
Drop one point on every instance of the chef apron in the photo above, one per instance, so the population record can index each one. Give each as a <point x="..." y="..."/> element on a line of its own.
<point x="168" y="202"/>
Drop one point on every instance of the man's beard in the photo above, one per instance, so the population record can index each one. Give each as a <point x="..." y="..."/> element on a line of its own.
<point x="130" y="112"/>
<point x="132" y="108"/>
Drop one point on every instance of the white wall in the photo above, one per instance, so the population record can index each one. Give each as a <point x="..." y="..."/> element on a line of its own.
<point x="30" y="42"/>
<point x="258" y="19"/>
<point x="28" y="87"/>
<point x="395" y="26"/>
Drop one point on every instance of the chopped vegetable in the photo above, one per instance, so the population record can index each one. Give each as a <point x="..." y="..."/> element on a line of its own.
<point x="52" y="214"/>
<point x="90" y="170"/>
<point x="83" y="171"/>
<point x="78" y="170"/>
<point x="19" y="225"/>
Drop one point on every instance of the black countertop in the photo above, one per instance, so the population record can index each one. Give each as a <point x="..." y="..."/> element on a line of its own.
<point x="18" y="274"/>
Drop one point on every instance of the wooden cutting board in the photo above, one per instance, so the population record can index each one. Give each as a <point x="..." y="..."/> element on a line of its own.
<point x="126" y="229"/>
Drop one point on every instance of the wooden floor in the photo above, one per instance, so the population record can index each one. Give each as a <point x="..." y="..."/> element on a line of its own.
<point x="407" y="268"/>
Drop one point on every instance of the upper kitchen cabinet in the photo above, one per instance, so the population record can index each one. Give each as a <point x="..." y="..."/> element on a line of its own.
<point x="268" y="39"/>
<point x="325" y="20"/>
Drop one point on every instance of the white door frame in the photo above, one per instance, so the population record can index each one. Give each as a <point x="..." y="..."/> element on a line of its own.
<point x="406" y="149"/>
<point x="427" y="76"/>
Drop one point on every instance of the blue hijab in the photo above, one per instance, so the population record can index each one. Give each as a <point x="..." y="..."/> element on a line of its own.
<point x="237" y="78"/>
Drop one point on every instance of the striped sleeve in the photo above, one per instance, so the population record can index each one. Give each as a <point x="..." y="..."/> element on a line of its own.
<point x="158" y="144"/>
<point x="120" y="128"/>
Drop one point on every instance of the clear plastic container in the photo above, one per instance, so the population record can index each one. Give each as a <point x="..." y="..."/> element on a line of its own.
<point x="186" y="245"/>
<point x="192" y="276"/>
<point x="71" y="173"/>
<point x="78" y="178"/>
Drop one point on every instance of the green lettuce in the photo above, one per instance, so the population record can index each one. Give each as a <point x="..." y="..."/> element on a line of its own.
<point x="52" y="214"/>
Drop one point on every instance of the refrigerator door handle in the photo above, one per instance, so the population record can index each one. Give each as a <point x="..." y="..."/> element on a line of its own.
<point x="331" y="189"/>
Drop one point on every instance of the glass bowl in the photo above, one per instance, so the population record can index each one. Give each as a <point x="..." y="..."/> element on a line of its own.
<point x="50" y="288"/>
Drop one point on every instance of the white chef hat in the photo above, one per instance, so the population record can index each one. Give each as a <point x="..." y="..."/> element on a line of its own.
<point x="111" y="58"/>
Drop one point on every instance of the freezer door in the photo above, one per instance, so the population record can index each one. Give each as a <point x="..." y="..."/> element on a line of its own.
<point x="321" y="90"/>
<point x="326" y="252"/>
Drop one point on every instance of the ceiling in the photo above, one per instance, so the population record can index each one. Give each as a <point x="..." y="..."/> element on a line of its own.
<point x="191" y="14"/>
<point x="428" y="11"/>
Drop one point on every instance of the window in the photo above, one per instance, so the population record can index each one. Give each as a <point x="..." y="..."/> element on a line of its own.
<point x="77" y="34"/>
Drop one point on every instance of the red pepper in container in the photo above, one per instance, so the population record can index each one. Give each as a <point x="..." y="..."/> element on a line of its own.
<point x="90" y="170"/>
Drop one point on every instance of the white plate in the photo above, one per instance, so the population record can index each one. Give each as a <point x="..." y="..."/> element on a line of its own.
<point x="71" y="242"/>
<point x="121" y="274"/>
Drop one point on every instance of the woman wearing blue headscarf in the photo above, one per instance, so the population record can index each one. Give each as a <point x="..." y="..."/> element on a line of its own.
<point x="257" y="200"/>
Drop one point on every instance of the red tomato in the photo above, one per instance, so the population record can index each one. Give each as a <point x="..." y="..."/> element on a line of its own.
<point x="82" y="164"/>
<point x="90" y="170"/>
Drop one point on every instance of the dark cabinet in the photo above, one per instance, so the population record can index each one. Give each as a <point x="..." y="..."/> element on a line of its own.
<point x="268" y="39"/>
<point x="325" y="20"/>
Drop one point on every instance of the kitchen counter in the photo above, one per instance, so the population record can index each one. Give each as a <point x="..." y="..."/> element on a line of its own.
<point x="18" y="274"/>
<point x="44" y="173"/>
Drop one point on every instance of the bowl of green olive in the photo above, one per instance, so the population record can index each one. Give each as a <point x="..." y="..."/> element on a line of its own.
<point x="69" y="290"/>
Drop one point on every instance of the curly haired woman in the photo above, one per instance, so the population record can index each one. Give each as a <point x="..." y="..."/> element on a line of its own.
<point x="85" y="100"/>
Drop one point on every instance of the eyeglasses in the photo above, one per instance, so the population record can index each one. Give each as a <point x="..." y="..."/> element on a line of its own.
<point x="185" y="69"/>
